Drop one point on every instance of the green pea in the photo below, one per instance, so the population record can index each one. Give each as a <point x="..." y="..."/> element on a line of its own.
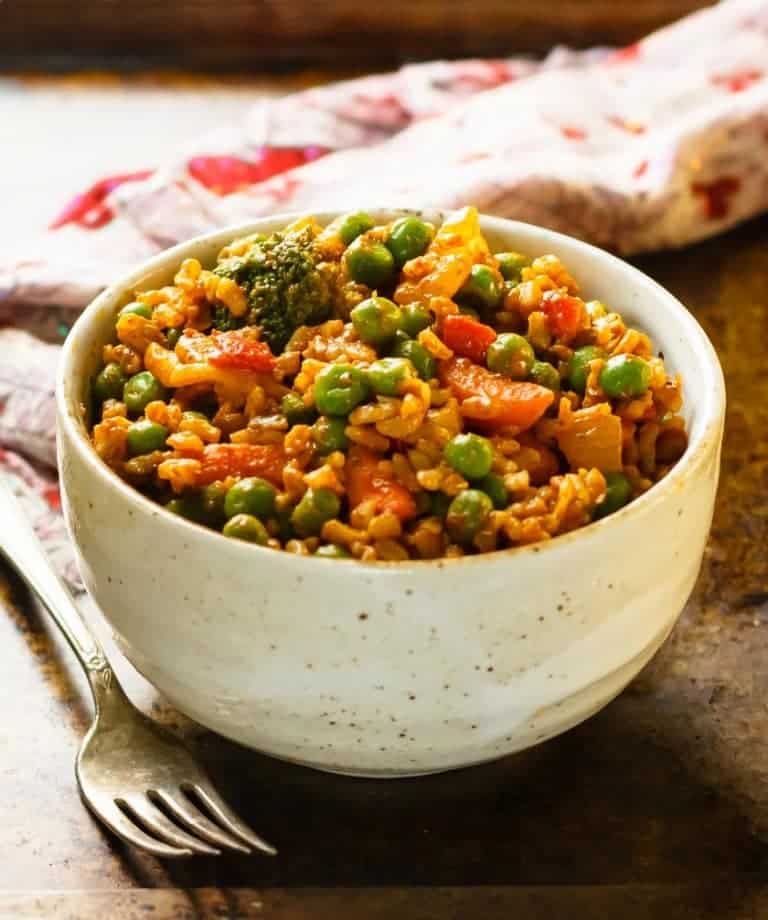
<point x="282" y="518"/>
<point x="339" y="388"/>
<point x="388" y="375"/>
<point x="439" y="503"/>
<point x="315" y="508"/>
<point x="470" y="455"/>
<point x="140" y="470"/>
<point x="376" y="320"/>
<point x="190" y="414"/>
<point x="145" y="436"/>
<point x="369" y="262"/>
<point x="417" y="354"/>
<point x="246" y="527"/>
<point x="414" y="318"/>
<point x="481" y="288"/>
<point x="625" y="376"/>
<point x="617" y="494"/>
<point x="511" y="354"/>
<point x="545" y="375"/>
<point x="109" y="382"/>
<point x="578" y="366"/>
<point x="212" y="499"/>
<point x="187" y="506"/>
<point x="494" y="488"/>
<point x="332" y="551"/>
<point x="142" y="389"/>
<point x="329" y="434"/>
<point x="353" y="225"/>
<point x="253" y="495"/>
<point x="467" y="514"/>
<point x="172" y="336"/>
<point x="511" y="264"/>
<point x="408" y="238"/>
<point x="140" y="309"/>
<point x="295" y="410"/>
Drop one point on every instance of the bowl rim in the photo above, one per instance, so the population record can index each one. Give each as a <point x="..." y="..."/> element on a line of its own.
<point x="699" y="447"/>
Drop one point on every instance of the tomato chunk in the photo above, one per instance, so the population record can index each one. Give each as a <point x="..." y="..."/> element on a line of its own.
<point x="492" y="398"/>
<point x="566" y="315"/>
<point x="467" y="338"/>
<point x="237" y="351"/>
<point x="222" y="460"/>
<point x="365" y="481"/>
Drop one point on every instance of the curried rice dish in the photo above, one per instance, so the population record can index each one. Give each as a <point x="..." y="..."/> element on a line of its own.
<point x="383" y="392"/>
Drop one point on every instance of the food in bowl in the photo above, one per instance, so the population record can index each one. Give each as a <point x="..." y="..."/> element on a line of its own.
<point x="382" y="669"/>
<point x="383" y="392"/>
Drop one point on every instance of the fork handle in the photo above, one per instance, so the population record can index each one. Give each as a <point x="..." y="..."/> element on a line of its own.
<point x="24" y="551"/>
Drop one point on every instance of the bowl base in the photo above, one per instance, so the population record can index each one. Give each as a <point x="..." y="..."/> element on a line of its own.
<point x="552" y="721"/>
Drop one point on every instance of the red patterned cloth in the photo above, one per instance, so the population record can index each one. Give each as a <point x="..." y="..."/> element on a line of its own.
<point x="654" y="145"/>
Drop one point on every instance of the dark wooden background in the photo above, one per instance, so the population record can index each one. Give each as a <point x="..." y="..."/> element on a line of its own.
<point x="249" y="35"/>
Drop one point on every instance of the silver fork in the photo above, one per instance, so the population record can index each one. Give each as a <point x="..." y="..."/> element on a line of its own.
<point x="134" y="776"/>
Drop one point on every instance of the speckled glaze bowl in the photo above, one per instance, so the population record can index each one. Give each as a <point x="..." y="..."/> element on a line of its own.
<point x="391" y="669"/>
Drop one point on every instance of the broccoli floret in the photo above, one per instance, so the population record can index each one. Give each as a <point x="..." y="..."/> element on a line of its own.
<point x="285" y="288"/>
<point x="224" y="321"/>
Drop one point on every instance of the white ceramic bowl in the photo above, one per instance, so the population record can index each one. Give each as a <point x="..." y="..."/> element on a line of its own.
<point x="391" y="669"/>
